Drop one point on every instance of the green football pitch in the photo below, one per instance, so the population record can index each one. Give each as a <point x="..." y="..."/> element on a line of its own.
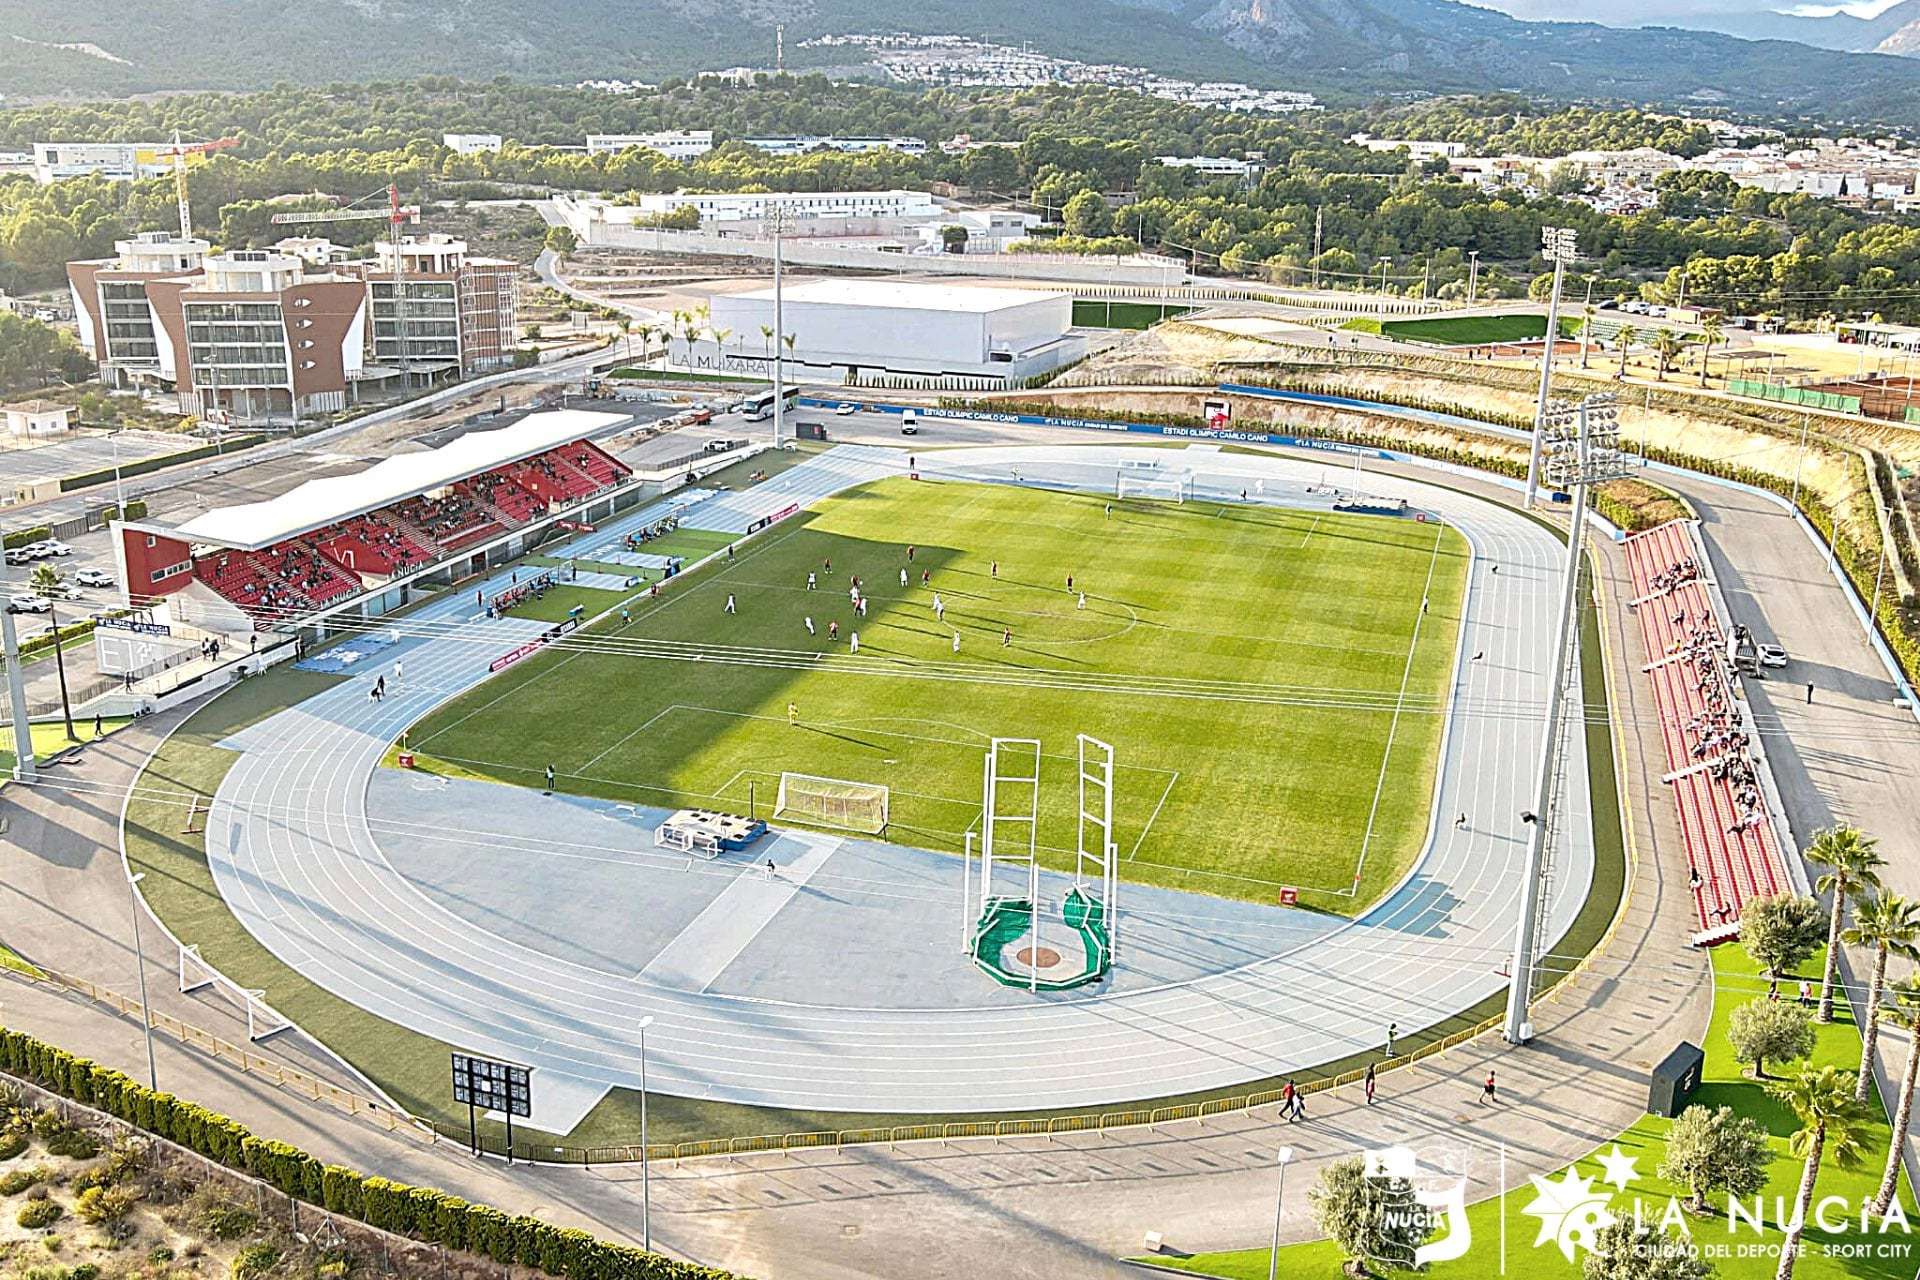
<point x="1267" y="678"/>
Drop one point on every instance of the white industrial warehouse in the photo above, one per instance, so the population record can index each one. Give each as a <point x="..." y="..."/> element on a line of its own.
<point x="850" y="329"/>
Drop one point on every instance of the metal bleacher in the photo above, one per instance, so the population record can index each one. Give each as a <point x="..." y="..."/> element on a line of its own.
<point x="1733" y="849"/>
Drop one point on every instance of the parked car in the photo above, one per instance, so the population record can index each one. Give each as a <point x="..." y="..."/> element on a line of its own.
<point x="848" y="409"/>
<point x="27" y="602"/>
<point x="17" y="555"/>
<point x="93" y="578"/>
<point x="55" y="547"/>
<point x="1772" y="655"/>
<point x="62" y="591"/>
<point x="38" y="550"/>
<point x="721" y="446"/>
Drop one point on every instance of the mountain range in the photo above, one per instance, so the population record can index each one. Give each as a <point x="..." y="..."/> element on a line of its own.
<point x="1339" y="49"/>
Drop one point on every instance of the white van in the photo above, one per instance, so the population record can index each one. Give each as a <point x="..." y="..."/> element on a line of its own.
<point x="910" y="422"/>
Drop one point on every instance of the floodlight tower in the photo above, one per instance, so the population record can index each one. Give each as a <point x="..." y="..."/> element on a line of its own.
<point x="1582" y="448"/>
<point x="777" y="217"/>
<point x="1557" y="247"/>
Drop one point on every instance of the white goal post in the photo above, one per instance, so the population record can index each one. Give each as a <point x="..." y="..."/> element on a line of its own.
<point x="1176" y="487"/>
<point x="831" y="802"/>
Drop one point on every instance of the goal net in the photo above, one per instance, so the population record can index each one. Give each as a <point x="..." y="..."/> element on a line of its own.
<point x="1168" y="488"/>
<point x="831" y="802"/>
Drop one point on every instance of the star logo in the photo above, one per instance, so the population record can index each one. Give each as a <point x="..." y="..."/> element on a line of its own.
<point x="1570" y="1211"/>
<point x="1620" y="1172"/>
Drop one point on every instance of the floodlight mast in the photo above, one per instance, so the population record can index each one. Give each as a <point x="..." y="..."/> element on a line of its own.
<point x="1556" y="246"/>
<point x="1582" y="448"/>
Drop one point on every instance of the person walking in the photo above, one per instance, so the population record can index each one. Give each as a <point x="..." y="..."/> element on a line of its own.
<point x="479" y="597"/>
<point x="1487" y="1092"/>
<point x="853" y="638"/>
<point x="926" y="576"/>
<point x="833" y="629"/>
<point x="1083" y="601"/>
<point x="809" y="621"/>
<point x="1069" y="584"/>
<point x="549" y="790"/>
<point x="1809" y="693"/>
<point x="625" y="617"/>
<point x="1393" y="1033"/>
<point x="862" y="606"/>
<point x="396" y="672"/>
<point x="1370" y="1084"/>
<point x="1109" y="511"/>
<point x="909" y="551"/>
<point x="812" y="585"/>
<point x="956" y="642"/>
<point x="1006" y="637"/>
<point x="730" y="608"/>
<point x="772" y="870"/>
<point x="903" y="577"/>
<point x="1806" y="992"/>
<point x="996" y="571"/>
<point x="98" y="732"/>
<point x="379" y="687"/>
<point x="793" y="714"/>
<point x="826" y="566"/>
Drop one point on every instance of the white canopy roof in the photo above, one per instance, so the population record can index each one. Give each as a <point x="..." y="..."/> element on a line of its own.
<point x="318" y="503"/>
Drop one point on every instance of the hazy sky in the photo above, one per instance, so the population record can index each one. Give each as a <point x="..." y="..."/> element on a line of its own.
<point x="1622" y="12"/>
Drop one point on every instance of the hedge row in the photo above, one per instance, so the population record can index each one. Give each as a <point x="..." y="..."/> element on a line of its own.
<point x="419" y="1212"/>
<point x="21" y="537"/>
<point x="128" y="470"/>
<point x="68" y="631"/>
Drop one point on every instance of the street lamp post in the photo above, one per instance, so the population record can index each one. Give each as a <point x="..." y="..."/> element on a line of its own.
<point x="646" y="1163"/>
<point x="779" y="212"/>
<point x="1583" y="449"/>
<point x="140" y="962"/>
<point x="1473" y="276"/>
<point x="1283" y="1156"/>
<point x="1557" y="246"/>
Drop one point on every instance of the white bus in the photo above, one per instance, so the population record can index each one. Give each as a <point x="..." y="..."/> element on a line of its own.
<point x="760" y="408"/>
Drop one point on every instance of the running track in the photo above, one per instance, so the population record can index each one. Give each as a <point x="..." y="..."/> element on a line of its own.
<point x="299" y="860"/>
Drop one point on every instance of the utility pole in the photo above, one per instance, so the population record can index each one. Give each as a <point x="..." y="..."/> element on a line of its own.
<point x="1557" y="246"/>
<point x="779" y="214"/>
<point x="23" y="762"/>
<point x="1319" y="217"/>
<point x="1473" y="276"/>
<point x="1583" y="450"/>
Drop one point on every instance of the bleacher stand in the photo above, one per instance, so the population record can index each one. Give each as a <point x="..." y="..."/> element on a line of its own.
<point x="1733" y="852"/>
<point x="307" y="572"/>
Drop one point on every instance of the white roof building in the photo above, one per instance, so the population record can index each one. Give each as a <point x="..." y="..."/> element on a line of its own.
<point x="317" y="503"/>
<point x="674" y="144"/>
<point x="468" y="144"/>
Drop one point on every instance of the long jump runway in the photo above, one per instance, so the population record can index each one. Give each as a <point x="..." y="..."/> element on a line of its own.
<point x="321" y="866"/>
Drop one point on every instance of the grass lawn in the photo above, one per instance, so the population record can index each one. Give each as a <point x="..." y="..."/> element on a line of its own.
<point x="1464" y="330"/>
<point x="1123" y="315"/>
<point x="10" y="959"/>
<point x="1736" y="981"/>
<point x="50" y="736"/>
<point x="1270" y="609"/>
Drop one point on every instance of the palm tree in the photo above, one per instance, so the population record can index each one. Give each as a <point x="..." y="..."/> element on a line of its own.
<point x="1666" y="345"/>
<point x="1623" y="339"/>
<point x="766" y="338"/>
<point x="1712" y="327"/>
<point x="1890" y="924"/>
<point x="1852" y="868"/>
<point x="1586" y="331"/>
<point x="1832" y="1122"/>
<point x="1903" y="997"/>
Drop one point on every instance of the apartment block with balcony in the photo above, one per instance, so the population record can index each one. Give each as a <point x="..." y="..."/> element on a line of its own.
<point x="456" y="311"/>
<point x="117" y="324"/>
<point x="257" y="338"/>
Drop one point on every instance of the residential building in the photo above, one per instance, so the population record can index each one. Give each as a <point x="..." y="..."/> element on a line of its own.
<point x="458" y="309"/>
<point x="37" y="418"/>
<point x="1247" y="171"/>
<point x="468" y="144"/>
<point x="800" y="144"/>
<point x="315" y="251"/>
<point x="674" y="144"/>
<point x="1416" y="149"/>
<point x="807" y="212"/>
<point x="117" y="324"/>
<point x="118" y="161"/>
<point x="255" y="337"/>
<point x="988" y="230"/>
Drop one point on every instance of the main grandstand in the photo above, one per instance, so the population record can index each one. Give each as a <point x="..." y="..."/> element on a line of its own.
<point x="357" y="545"/>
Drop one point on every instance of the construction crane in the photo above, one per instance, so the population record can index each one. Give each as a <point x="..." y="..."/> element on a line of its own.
<point x="397" y="215"/>
<point x="180" y="151"/>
